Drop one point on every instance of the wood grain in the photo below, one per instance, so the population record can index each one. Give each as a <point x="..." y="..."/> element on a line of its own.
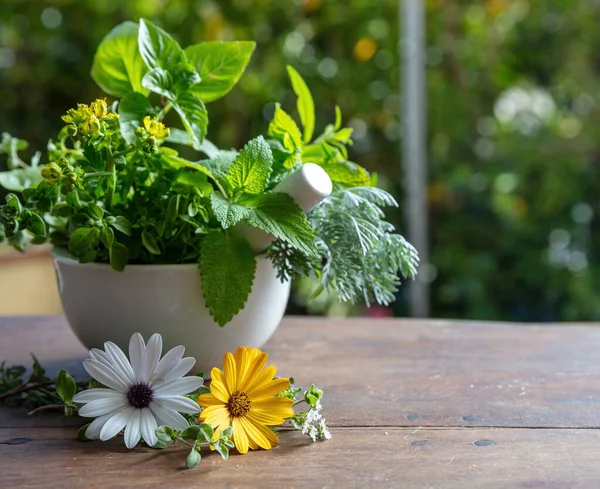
<point x="441" y="404"/>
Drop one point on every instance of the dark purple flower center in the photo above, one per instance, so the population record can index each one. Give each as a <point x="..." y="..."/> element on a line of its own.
<point x="140" y="395"/>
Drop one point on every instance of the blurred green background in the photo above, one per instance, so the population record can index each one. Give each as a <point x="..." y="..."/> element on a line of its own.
<point x="513" y="93"/>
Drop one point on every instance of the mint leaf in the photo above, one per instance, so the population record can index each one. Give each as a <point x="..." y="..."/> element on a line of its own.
<point x="132" y="109"/>
<point x="193" y="115"/>
<point x="348" y="174"/>
<point x="284" y="129"/>
<point x="118" y="66"/>
<point x="158" y="48"/>
<point x="220" y="65"/>
<point x="251" y="169"/>
<point x="150" y="243"/>
<point x="305" y="103"/>
<point x="227" y="212"/>
<point x="227" y="267"/>
<point x="279" y="215"/>
<point x="159" y="81"/>
<point x="20" y="178"/>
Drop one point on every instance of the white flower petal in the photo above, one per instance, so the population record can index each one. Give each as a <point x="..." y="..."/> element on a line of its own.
<point x="116" y="423"/>
<point x="137" y="352"/>
<point x="167" y="364"/>
<point x="184" y="366"/>
<point x="101" y="406"/>
<point x="153" y="352"/>
<point x="132" y="430"/>
<point x="148" y="427"/>
<point x="104" y="374"/>
<point x="180" y="404"/>
<point x="179" y="386"/>
<point x="169" y="417"/>
<point x="93" y="430"/>
<point x="100" y="355"/>
<point x="95" y="394"/>
<point x="119" y="362"/>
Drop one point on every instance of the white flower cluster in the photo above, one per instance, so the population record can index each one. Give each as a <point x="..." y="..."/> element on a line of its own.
<point x="314" y="425"/>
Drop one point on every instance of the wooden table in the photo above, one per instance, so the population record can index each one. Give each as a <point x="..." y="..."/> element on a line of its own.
<point x="439" y="404"/>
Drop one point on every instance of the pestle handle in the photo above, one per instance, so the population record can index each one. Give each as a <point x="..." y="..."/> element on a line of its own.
<point x="308" y="186"/>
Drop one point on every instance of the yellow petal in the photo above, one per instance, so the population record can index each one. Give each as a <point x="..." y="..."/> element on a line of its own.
<point x="275" y="406"/>
<point x="265" y="417"/>
<point x="261" y="378"/>
<point x="258" y="433"/>
<point x="226" y="423"/>
<point x="257" y="363"/>
<point x="209" y="399"/>
<point x="214" y="415"/>
<point x="230" y="373"/>
<point x="217" y="385"/>
<point x="240" y="438"/>
<point x="269" y="389"/>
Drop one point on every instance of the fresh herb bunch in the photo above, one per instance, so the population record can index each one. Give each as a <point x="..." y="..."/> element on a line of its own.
<point x="114" y="192"/>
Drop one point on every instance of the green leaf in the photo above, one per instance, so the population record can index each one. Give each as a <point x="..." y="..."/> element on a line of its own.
<point x="205" y="433"/>
<point x="193" y="459"/>
<point x="119" y="256"/>
<point x="220" y="65"/>
<point x="227" y="212"/>
<point x="132" y="109"/>
<point x="219" y="165"/>
<point x="227" y="267"/>
<point x="348" y="174"/>
<point x="279" y="215"/>
<point x="95" y="211"/>
<point x="35" y="223"/>
<point x="107" y="236"/>
<point x="19" y="179"/>
<point x="251" y="169"/>
<point x="305" y="103"/>
<point x="65" y="386"/>
<point x="159" y="81"/>
<point x="221" y="449"/>
<point x="14" y="203"/>
<point x="118" y="67"/>
<point x="193" y="115"/>
<point x="190" y="433"/>
<point x="173" y="207"/>
<point x="83" y="240"/>
<point x="158" y="48"/>
<point x="338" y="118"/>
<point x="18" y="241"/>
<point x="163" y="433"/>
<point x="120" y="223"/>
<point x="149" y="242"/>
<point x="284" y="129"/>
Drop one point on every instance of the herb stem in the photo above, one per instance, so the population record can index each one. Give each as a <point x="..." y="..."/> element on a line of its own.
<point x="97" y="174"/>
<point x="122" y="153"/>
<point x="25" y="388"/>
<point x="163" y="111"/>
<point x="47" y="407"/>
<point x="110" y="169"/>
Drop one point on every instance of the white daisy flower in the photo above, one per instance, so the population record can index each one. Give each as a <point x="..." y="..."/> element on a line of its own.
<point x="140" y="395"/>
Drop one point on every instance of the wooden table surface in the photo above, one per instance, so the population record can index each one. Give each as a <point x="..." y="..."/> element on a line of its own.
<point x="439" y="404"/>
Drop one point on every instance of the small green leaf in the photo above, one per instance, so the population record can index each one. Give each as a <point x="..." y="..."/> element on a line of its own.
<point x="220" y="65"/>
<point x="163" y="434"/>
<point x="120" y="223"/>
<point x="158" y="48"/>
<point x="160" y="445"/>
<point x="149" y="242"/>
<point x="284" y="129"/>
<point x="35" y="223"/>
<point x="305" y="103"/>
<point x="83" y="240"/>
<point x="190" y="433"/>
<point x="19" y="179"/>
<point x="221" y="449"/>
<point x="119" y="256"/>
<point x="159" y="81"/>
<point x="107" y="236"/>
<point x="206" y="433"/>
<point x="227" y="267"/>
<point x="18" y="241"/>
<point x="338" y="118"/>
<point x="65" y="386"/>
<point x="251" y="169"/>
<point x="227" y="212"/>
<point x="193" y="114"/>
<point x="118" y="67"/>
<point x="173" y="207"/>
<point x="95" y="211"/>
<point x="348" y="174"/>
<point x="278" y="214"/>
<point x="13" y="202"/>
<point x="193" y="459"/>
<point x="132" y="109"/>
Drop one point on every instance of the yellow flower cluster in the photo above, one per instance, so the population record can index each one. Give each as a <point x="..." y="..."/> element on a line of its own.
<point x="86" y="118"/>
<point x="155" y="128"/>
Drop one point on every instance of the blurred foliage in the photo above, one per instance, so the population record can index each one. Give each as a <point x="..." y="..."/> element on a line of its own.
<point x="513" y="115"/>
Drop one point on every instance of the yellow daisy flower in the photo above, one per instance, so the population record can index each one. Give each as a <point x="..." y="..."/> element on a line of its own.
<point x="244" y="396"/>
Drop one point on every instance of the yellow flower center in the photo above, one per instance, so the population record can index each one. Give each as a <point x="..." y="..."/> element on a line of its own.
<point x="239" y="404"/>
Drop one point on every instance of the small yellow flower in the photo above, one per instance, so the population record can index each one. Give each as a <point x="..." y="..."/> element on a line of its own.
<point x="244" y="396"/>
<point x="51" y="173"/>
<point x="99" y="108"/>
<point x="155" y="128"/>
